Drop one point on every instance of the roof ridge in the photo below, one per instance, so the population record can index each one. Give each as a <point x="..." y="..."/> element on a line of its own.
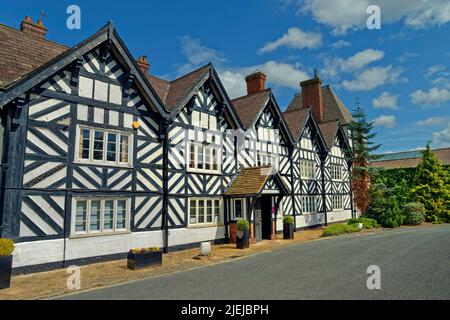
<point x="252" y="94"/>
<point x="33" y="36"/>
<point x="189" y="73"/>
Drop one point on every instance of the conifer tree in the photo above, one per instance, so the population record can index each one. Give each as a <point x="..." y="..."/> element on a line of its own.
<point x="363" y="154"/>
<point x="431" y="188"/>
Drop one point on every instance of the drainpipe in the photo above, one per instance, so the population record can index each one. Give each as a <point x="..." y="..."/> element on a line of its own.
<point x="323" y="156"/>
<point x="291" y="161"/>
<point x="350" y="164"/>
<point x="165" y="211"/>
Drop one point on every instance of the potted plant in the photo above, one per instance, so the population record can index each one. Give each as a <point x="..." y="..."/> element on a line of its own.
<point x="243" y="234"/>
<point x="139" y="258"/>
<point x="288" y="227"/>
<point x="6" y="250"/>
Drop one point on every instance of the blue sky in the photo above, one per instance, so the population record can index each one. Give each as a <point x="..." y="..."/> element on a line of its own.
<point x="400" y="73"/>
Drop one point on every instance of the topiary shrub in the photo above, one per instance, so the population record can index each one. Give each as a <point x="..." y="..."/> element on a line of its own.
<point x="6" y="247"/>
<point x="337" y="229"/>
<point x="393" y="216"/>
<point x="243" y="225"/>
<point x="414" y="213"/>
<point x="288" y="219"/>
<point x="366" y="222"/>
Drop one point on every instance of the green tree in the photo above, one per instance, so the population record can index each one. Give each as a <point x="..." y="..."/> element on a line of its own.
<point x="363" y="154"/>
<point x="431" y="187"/>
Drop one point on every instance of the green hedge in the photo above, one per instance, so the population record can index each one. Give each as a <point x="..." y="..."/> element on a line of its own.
<point x="366" y="222"/>
<point x="337" y="229"/>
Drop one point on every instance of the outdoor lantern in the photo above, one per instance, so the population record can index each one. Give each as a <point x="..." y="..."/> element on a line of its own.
<point x="136" y="125"/>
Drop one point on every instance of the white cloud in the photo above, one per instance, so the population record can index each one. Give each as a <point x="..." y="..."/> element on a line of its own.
<point x="442" y="138"/>
<point x="340" y="44"/>
<point x="433" y="70"/>
<point x="346" y="15"/>
<point x="432" y="97"/>
<point x="294" y="38"/>
<point x="372" y="78"/>
<point x="356" y="62"/>
<point x="197" y="54"/>
<point x="385" y="121"/>
<point x="385" y="101"/>
<point x="433" y="121"/>
<point x="278" y="74"/>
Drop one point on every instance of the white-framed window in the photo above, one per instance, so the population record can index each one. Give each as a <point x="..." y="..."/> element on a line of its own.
<point x="264" y="158"/>
<point x="99" y="90"/>
<point x="336" y="172"/>
<point x="238" y="208"/>
<point x="203" y="157"/>
<point x="308" y="169"/>
<point x="338" y="202"/>
<point x="309" y="204"/>
<point x="205" y="211"/>
<point x="204" y="120"/>
<point x="104" y="146"/>
<point x="100" y="215"/>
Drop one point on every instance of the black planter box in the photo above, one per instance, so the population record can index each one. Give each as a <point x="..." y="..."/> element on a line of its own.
<point x="143" y="260"/>
<point x="288" y="231"/>
<point x="5" y="271"/>
<point x="244" y="241"/>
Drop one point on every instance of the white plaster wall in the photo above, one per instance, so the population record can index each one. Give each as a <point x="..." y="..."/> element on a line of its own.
<point x="193" y="235"/>
<point x="335" y="216"/>
<point x="48" y="251"/>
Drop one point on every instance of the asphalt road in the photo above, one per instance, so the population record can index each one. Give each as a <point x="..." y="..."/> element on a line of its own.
<point x="414" y="264"/>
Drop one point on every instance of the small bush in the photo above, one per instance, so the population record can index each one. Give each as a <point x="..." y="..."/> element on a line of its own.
<point x="6" y="247"/>
<point x="414" y="213"/>
<point x="337" y="229"/>
<point x="288" y="220"/>
<point x="144" y="250"/>
<point x="366" y="222"/>
<point x="243" y="225"/>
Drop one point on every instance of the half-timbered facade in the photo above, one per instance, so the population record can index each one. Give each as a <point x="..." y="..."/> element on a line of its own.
<point x="99" y="156"/>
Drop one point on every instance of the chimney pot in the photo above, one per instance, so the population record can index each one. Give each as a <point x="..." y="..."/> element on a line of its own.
<point x="36" y="29"/>
<point x="143" y="64"/>
<point x="312" y="96"/>
<point x="256" y="82"/>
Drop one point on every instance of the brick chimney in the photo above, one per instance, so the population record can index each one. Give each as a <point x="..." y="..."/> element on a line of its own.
<point x="35" y="29"/>
<point x="312" y="96"/>
<point x="256" y="82"/>
<point x="142" y="62"/>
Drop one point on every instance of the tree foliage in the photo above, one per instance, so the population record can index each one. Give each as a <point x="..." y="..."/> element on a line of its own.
<point x="363" y="154"/>
<point x="431" y="187"/>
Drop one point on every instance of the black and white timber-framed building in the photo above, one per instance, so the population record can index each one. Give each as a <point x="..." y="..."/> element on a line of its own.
<point x="98" y="156"/>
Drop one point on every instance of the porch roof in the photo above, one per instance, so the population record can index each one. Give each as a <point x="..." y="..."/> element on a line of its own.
<point x="252" y="180"/>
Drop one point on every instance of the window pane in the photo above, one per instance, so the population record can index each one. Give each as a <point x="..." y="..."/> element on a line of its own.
<point x="192" y="212"/>
<point x="215" y="159"/>
<point x="111" y="148"/>
<point x="81" y="215"/>
<point x="209" y="212"/>
<point x="121" y="214"/>
<point x="98" y="145"/>
<point x="238" y="208"/>
<point x="108" y="217"/>
<point x="201" y="211"/>
<point x="84" y="144"/>
<point x="207" y="158"/>
<point x="200" y="157"/>
<point x="124" y="145"/>
<point x="216" y="211"/>
<point x="95" y="216"/>
<point x="191" y="155"/>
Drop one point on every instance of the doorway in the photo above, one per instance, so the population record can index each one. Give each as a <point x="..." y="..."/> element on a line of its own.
<point x="266" y="217"/>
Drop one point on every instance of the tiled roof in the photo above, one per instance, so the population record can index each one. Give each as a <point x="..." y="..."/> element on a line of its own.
<point x="333" y="108"/>
<point x="250" y="181"/>
<point x="295" y="120"/>
<point x="249" y="106"/>
<point x="21" y="53"/>
<point x="329" y="130"/>
<point x="409" y="159"/>
<point x="175" y="91"/>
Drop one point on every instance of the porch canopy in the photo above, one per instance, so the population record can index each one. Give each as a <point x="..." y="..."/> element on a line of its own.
<point x="254" y="181"/>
